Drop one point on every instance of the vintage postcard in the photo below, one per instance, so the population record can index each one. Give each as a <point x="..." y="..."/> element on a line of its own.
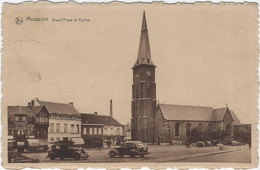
<point x="116" y="85"/>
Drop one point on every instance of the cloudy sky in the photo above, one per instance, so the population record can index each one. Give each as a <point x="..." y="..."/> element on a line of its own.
<point x="205" y="56"/>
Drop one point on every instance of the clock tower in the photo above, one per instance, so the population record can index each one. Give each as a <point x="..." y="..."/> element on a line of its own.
<point x="143" y="91"/>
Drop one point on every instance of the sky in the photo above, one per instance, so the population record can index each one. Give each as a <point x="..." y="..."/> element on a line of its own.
<point x="206" y="55"/>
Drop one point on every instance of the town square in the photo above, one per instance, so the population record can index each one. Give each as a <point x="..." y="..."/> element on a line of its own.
<point x="147" y="88"/>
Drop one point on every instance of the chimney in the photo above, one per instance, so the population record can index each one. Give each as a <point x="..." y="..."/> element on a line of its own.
<point x="32" y="103"/>
<point x="111" y="108"/>
<point x="95" y="113"/>
<point x="71" y="103"/>
<point x="35" y="102"/>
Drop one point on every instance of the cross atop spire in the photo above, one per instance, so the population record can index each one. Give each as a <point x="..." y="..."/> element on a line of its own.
<point x="144" y="53"/>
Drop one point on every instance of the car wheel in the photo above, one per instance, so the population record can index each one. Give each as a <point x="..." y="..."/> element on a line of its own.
<point x="61" y="157"/>
<point x="52" y="157"/>
<point x="76" y="157"/>
<point x="121" y="156"/>
<point x="112" y="155"/>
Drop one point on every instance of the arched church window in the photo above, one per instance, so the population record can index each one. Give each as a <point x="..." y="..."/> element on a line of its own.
<point x="228" y="129"/>
<point x="188" y="129"/>
<point x="177" y="129"/>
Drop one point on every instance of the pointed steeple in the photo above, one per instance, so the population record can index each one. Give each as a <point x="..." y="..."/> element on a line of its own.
<point x="144" y="53"/>
<point x="144" y="25"/>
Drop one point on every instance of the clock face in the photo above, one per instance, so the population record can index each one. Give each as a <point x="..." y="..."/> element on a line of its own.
<point x="148" y="73"/>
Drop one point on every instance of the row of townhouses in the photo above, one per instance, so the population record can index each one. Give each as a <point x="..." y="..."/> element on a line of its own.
<point x="50" y="122"/>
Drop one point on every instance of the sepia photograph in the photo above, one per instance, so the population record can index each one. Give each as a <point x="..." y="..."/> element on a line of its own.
<point x="129" y="85"/>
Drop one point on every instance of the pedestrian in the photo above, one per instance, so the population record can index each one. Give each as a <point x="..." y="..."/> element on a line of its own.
<point x="108" y="144"/>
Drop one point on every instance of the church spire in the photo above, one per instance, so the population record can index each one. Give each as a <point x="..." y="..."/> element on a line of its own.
<point x="144" y="25"/>
<point x="144" y="53"/>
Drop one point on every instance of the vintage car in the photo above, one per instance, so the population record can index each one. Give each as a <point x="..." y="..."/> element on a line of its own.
<point x="14" y="157"/>
<point x="131" y="148"/>
<point x="200" y="144"/>
<point x="63" y="150"/>
<point x="208" y="143"/>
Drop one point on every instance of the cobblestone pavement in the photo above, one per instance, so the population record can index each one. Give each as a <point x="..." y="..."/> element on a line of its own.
<point x="159" y="154"/>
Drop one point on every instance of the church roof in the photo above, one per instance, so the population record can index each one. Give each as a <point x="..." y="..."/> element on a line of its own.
<point x="235" y="118"/>
<point x="218" y="114"/>
<point x="144" y="53"/>
<point x="99" y="119"/>
<point x="61" y="108"/>
<point x="190" y="113"/>
<point x="195" y="113"/>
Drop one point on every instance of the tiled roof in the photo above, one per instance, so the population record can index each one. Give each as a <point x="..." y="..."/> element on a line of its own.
<point x="99" y="119"/>
<point x="11" y="110"/>
<point x="59" y="107"/>
<point x="190" y="113"/>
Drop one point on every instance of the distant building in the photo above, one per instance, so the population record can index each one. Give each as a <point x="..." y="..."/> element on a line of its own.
<point x="28" y="122"/>
<point x="127" y="132"/>
<point x="111" y="130"/>
<point x="92" y="130"/>
<point x="174" y="123"/>
<point x="64" y="121"/>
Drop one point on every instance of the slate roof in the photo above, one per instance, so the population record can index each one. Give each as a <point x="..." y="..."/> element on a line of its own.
<point x="12" y="110"/>
<point x="218" y="114"/>
<point x="144" y="53"/>
<point x="59" y="107"/>
<point x="99" y="119"/>
<point x="235" y="118"/>
<point x="195" y="113"/>
<point x="192" y="113"/>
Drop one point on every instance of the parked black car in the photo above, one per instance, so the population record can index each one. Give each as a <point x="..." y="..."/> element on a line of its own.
<point x="131" y="148"/>
<point x="66" y="150"/>
<point x="14" y="157"/>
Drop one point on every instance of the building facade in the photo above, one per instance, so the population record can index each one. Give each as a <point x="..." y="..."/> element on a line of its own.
<point x="113" y="133"/>
<point x="101" y="130"/>
<point x="92" y="130"/>
<point x="174" y="123"/>
<point x="127" y="132"/>
<point x="143" y="91"/>
<point x="64" y="121"/>
<point x="27" y="122"/>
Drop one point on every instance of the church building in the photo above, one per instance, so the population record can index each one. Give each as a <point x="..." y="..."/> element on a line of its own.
<point x="143" y="91"/>
<point x="167" y="123"/>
